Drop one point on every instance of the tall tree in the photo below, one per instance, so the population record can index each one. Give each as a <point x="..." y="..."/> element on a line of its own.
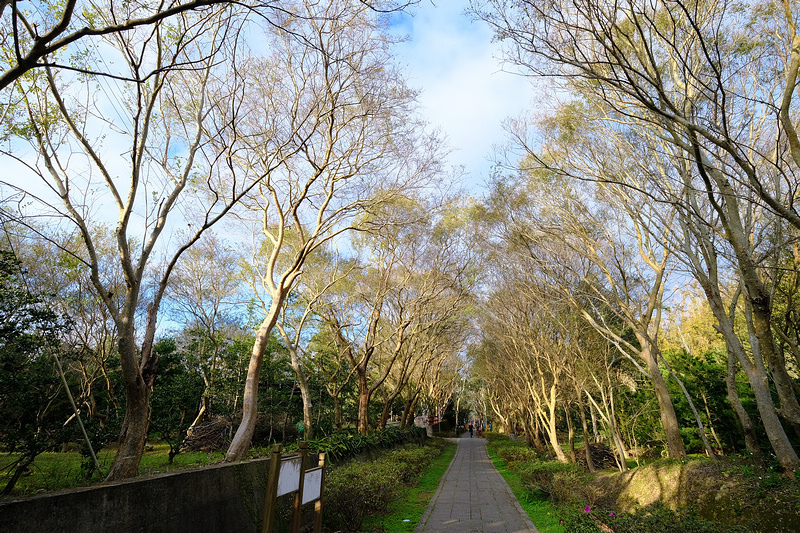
<point x="202" y="292"/>
<point x="48" y="35"/>
<point x="170" y="82"/>
<point x="691" y="73"/>
<point x="356" y="145"/>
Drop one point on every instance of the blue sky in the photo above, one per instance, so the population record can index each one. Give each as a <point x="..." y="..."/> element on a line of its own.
<point x="464" y="90"/>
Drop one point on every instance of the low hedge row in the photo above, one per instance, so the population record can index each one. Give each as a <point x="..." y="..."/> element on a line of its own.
<point x="356" y="489"/>
<point x="558" y="482"/>
<point x="348" y="443"/>
<point x="573" y="492"/>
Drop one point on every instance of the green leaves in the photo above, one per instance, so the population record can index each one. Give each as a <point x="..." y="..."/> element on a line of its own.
<point x="33" y="408"/>
<point x="345" y="444"/>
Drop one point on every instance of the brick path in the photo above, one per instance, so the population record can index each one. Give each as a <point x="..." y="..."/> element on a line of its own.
<point x="473" y="497"/>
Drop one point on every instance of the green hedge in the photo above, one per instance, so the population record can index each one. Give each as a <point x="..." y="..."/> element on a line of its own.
<point x="512" y="451"/>
<point x="349" y="443"/>
<point x="356" y="489"/>
<point x="655" y="518"/>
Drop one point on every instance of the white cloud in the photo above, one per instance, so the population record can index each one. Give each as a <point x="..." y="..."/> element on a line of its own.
<point x="464" y="90"/>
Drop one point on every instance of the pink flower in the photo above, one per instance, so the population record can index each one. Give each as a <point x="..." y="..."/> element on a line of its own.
<point x="611" y="515"/>
<point x="587" y="509"/>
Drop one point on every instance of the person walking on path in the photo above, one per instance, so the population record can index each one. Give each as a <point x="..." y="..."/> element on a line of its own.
<point x="473" y="497"/>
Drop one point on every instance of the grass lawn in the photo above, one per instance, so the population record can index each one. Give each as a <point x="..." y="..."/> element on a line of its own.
<point x="404" y="513"/>
<point x="543" y="515"/>
<point x="59" y="470"/>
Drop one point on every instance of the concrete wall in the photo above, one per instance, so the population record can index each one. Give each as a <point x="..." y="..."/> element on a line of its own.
<point x="223" y="498"/>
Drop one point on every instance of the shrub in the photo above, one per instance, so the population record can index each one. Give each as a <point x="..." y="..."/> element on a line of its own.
<point x="349" y="443"/>
<point x="557" y="480"/>
<point x="361" y="489"/>
<point x="358" y="489"/>
<point x="408" y="463"/>
<point x="511" y="451"/>
<point x="518" y="454"/>
<point x="651" y="519"/>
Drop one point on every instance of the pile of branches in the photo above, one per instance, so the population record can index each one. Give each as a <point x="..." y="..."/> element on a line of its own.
<point x="602" y="456"/>
<point x="209" y="436"/>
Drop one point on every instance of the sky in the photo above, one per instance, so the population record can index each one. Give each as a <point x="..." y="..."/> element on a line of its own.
<point x="464" y="90"/>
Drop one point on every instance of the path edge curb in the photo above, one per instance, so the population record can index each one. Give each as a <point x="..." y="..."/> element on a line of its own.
<point x="431" y="504"/>
<point x="521" y="511"/>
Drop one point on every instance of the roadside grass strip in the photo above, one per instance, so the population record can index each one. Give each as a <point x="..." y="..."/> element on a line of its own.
<point x="543" y="515"/>
<point x="404" y="513"/>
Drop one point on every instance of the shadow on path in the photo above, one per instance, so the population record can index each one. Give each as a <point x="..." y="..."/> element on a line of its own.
<point x="473" y="497"/>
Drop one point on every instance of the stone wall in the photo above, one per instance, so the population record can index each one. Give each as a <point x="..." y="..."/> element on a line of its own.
<point x="223" y="498"/>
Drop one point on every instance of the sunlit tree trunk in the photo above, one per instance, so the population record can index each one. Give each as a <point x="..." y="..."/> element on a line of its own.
<point x="244" y="433"/>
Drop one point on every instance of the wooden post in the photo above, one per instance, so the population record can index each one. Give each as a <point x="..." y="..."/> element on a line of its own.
<point x="271" y="497"/>
<point x="297" y="511"/>
<point x="318" y="503"/>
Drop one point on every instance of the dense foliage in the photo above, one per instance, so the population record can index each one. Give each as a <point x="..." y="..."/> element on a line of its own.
<point x="363" y="488"/>
<point x="726" y="497"/>
<point x="34" y="413"/>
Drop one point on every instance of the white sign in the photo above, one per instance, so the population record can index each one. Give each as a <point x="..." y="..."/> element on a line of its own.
<point x="289" y="478"/>
<point x="312" y="486"/>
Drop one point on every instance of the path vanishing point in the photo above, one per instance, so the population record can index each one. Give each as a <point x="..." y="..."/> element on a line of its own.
<point x="473" y="497"/>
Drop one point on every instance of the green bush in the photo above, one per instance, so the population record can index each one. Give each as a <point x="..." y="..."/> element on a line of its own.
<point x="349" y="443"/>
<point x="560" y="481"/>
<point x="358" y="489"/>
<point x="651" y="519"/>
<point x="361" y="489"/>
<point x="512" y="454"/>
<point x="409" y="463"/>
<point x="511" y="451"/>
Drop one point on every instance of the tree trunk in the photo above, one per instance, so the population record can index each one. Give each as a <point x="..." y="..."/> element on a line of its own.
<point x="411" y="407"/>
<point x="244" y="434"/>
<point x="669" y="419"/>
<point x="623" y="459"/>
<point x="24" y="462"/>
<point x="609" y="420"/>
<point x="363" y="401"/>
<point x="134" y="432"/>
<point x="387" y="405"/>
<point x="700" y="428"/>
<point x="204" y="404"/>
<point x="759" y="383"/>
<point x="585" y="428"/>
<point x="759" y="318"/>
<point x="615" y="433"/>
<point x="571" y="437"/>
<point x="305" y="391"/>
<point x="552" y="430"/>
<point x="139" y="376"/>
<point x="710" y="424"/>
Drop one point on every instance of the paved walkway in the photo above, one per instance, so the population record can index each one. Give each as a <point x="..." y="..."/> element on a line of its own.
<point x="473" y="497"/>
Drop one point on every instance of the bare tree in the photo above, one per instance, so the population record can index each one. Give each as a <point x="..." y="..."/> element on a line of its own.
<point x="600" y="150"/>
<point x="693" y="75"/>
<point x="354" y="145"/>
<point x="163" y="113"/>
<point x="202" y="292"/>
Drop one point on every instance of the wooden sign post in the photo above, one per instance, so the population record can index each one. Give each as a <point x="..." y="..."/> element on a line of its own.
<point x="272" y="489"/>
<point x="287" y="475"/>
<point x="297" y="506"/>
